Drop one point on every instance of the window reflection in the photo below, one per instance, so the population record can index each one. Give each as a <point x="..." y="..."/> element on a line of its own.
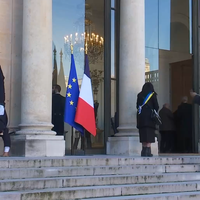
<point x="180" y="28"/>
<point x="113" y="3"/>
<point x="71" y="19"/>
<point x="164" y="24"/>
<point x="152" y="67"/>
<point x="190" y="15"/>
<point x="68" y="18"/>
<point x="152" y="56"/>
<point x="112" y="43"/>
<point x="151" y="23"/>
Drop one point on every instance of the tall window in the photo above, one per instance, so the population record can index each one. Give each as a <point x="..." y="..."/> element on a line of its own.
<point x="79" y="22"/>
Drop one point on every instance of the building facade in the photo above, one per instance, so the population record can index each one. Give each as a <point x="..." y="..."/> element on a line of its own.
<point x="129" y="42"/>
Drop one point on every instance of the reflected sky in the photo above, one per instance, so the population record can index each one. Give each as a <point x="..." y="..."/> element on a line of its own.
<point x="158" y="28"/>
<point x="164" y="24"/>
<point x="157" y="23"/>
<point x="151" y="23"/>
<point x="152" y="56"/>
<point x="68" y="18"/>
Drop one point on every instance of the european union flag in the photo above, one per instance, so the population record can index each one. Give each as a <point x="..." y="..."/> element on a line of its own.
<point x="72" y="95"/>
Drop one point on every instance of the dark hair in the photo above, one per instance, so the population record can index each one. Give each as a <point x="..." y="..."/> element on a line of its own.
<point x="57" y="87"/>
<point x="147" y="88"/>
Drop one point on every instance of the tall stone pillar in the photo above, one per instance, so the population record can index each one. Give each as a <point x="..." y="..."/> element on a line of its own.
<point x="35" y="137"/>
<point x="131" y="76"/>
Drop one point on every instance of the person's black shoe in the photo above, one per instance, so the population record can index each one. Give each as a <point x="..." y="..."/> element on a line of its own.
<point x="144" y="152"/>
<point x="149" y="154"/>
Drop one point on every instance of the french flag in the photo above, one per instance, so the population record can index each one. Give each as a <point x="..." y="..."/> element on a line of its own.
<point x="85" y="115"/>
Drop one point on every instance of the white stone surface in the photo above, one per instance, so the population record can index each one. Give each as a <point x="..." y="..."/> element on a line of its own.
<point x="36" y="67"/>
<point x="37" y="145"/>
<point x="128" y="146"/>
<point x="106" y="191"/>
<point x="11" y="14"/>
<point x="132" y="63"/>
<point x="131" y="77"/>
<point x="124" y="146"/>
<point x="80" y="181"/>
<point x="174" y="196"/>
<point x="36" y="84"/>
<point x="107" y="177"/>
<point x="97" y="160"/>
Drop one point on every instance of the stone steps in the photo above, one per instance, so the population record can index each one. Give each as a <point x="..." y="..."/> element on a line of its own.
<point x="103" y="191"/>
<point x="104" y="177"/>
<point x="173" y="196"/>
<point x="45" y="172"/>
<point x="64" y="182"/>
<point x="68" y="161"/>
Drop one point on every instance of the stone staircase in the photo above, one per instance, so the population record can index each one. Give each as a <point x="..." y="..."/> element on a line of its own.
<point x="100" y="177"/>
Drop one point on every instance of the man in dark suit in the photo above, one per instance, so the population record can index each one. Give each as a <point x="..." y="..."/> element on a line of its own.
<point x="58" y="110"/>
<point x="167" y="129"/>
<point x="183" y="117"/>
<point x="3" y="118"/>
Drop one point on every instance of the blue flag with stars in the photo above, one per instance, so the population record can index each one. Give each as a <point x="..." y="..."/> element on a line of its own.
<point x="72" y="95"/>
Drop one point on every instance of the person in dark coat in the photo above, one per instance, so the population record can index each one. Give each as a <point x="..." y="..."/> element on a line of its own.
<point x="4" y="133"/>
<point x="183" y="117"/>
<point x="167" y="129"/>
<point x="196" y="97"/>
<point x="145" y="123"/>
<point x="58" y="110"/>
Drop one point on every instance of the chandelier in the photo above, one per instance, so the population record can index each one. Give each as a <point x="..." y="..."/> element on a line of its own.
<point x="93" y="42"/>
<point x="96" y="77"/>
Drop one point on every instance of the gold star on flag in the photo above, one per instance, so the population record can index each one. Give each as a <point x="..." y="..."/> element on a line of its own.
<point x="71" y="103"/>
<point x="70" y="86"/>
<point x="69" y="94"/>
<point x="74" y="80"/>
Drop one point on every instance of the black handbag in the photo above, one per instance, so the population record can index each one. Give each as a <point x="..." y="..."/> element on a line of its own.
<point x="155" y="117"/>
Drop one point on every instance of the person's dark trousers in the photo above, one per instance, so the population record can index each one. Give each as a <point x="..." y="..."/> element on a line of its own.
<point x="6" y="138"/>
<point x="162" y="142"/>
<point x="171" y="142"/>
<point x="187" y="144"/>
<point x="167" y="142"/>
<point x="4" y="129"/>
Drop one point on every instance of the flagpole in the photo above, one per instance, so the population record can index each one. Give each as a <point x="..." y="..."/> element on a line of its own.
<point x="72" y="145"/>
<point x="72" y="130"/>
<point x="86" y="50"/>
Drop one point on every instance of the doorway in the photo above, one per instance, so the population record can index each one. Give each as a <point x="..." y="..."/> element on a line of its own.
<point x="181" y="81"/>
<point x="181" y="78"/>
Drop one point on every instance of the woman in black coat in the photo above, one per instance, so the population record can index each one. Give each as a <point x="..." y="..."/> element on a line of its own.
<point x="145" y="123"/>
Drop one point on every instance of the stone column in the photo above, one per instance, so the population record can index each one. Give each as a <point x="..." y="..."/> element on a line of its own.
<point x="35" y="137"/>
<point x="131" y="76"/>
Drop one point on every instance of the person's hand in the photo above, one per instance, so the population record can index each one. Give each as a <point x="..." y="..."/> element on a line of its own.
<point x="192" y="93"/>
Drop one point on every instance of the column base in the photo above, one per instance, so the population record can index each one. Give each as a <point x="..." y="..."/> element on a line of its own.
<point x="37" y="145"/>
<point x="130" y="146"/>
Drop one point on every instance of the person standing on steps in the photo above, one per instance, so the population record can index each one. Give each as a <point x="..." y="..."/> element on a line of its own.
<point x="146" y="103"/>
<point x="167" y="129"/>
<point x="183" y="118"/>
<point x="58" y="110"/>
<point x="4" y="133"/>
